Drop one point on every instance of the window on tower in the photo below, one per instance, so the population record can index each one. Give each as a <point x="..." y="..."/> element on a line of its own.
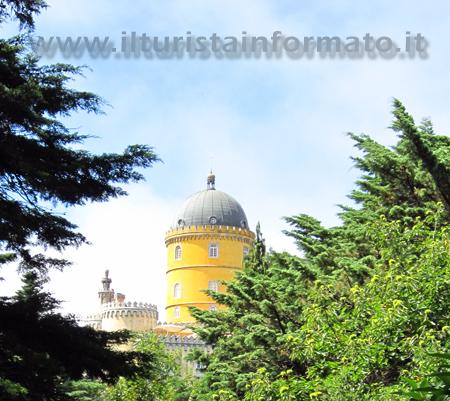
<point x="178" y="252"/>
<point x="246" y="250"/>
<point x="213" y="250"/>
<point x="213" y="285"/>
<point x="176" y="312"/>
<point x="177" y="290"/>
<point x="212" y="307"/>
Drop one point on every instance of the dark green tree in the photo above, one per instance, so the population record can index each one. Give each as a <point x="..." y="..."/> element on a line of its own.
<point x="159" y="378"/>
<point x="359" y="312"/>
<point x="22" y="10"/>
<point x="260" y="315"/>
<point x="43" y="169"/>
<point x="40" y="349"/>
<point x="408" y="181"/>
<point x="39" y="165"/>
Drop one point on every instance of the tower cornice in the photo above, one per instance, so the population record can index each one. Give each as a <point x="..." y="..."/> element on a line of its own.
<point x="209" y="231"/>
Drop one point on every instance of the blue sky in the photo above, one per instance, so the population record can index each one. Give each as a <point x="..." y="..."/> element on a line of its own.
<point x="272" y="130"/>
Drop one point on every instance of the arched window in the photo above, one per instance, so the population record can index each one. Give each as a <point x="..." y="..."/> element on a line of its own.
<point x="246" y="250"/>
<point x="177" y="290"/>
<point x="213" y="285"/>
<point x="176" y="312"/>
<point x="178" y="252"/>
<point x="212" y="307"/>
<point x="213" y="250"/>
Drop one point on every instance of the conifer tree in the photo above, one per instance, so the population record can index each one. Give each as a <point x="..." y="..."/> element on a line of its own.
<point x="356" y="316"/>
<point x="263" y="306"/>
<point x="40" y="349"/>
<point x="43" y="167"/>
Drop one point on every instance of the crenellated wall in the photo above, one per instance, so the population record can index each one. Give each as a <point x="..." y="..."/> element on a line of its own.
<point x="93" y="321"/>
<point x="133" y="316"/>
<point x="184" y="345"/>
<point x="176" y="342"/>
<point x="209" y="231"/>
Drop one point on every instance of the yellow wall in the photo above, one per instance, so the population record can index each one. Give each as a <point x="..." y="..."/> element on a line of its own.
<point x="195" y="268"/>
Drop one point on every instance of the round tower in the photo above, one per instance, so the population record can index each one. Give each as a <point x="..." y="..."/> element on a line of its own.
<point x="205" y="245"/>
<point x="116" y="314"/>
<point x="133" y="316"/>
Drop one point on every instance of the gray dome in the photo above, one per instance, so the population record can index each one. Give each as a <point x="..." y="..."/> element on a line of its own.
<point x="211" y="207"/>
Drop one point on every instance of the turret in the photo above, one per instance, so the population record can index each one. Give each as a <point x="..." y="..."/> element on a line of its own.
<point x="106" y="294"/>
<point x="205" y="246"/>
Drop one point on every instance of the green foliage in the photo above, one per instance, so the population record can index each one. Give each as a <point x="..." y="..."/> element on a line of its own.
<point x="85" y="390"/>
<point x="159" y="378"/>
<point x="436" y="386"/>
<point x="356" y="317"/>
<point x="22" y="10"/>
<point x="358" y="344"/>
<point x="39" y="165"/>
<point x="259" y="316"/>
<point x="43" y="167"/>
<point x="40" y="349"/>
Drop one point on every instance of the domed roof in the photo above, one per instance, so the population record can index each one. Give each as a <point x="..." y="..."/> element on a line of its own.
<point x="211" y="207"/>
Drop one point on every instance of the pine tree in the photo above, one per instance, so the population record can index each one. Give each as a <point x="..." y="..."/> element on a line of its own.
<point x="260" y="315"/>
<point x="40" y="349"/>
<point x="42" y="167"/>
<point x="22" y="10"/>
<point x="358" y="312"/>
<point x="39" y="166"/>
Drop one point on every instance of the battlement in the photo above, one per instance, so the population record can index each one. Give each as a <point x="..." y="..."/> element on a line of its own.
<point x="92" y="320"/>
<point x="186" y="341"/>
<point x="183" y="345"/>
<point x="94" y="316"/>
<point x="128" y="305"/>
<point x="128" y="309"/>
<point x="171" y="324"/>
<point x="209" y="228"/>
<point x="201" y="230"/>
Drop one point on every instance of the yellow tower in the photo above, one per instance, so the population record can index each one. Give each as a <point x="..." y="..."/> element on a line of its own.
<point x="205" y="245"/>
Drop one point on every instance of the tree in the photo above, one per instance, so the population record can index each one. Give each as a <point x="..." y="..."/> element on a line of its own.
<point x="358" y="314"/>
<point x="159" y="378"/>
<point x="41" y="350"/>
<point x="260" y="314"/>
<point x="42" y="167"/>
<point x="22" y="10"/>
<point x="39" y="166"/>
<point x="437" y="389"/>
<point x="86" y="390"/>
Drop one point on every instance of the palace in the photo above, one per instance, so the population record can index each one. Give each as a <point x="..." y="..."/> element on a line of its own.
<point x="206" y="245"/>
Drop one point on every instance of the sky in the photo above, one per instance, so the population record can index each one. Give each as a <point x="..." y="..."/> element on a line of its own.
<point x="273" y="130"/>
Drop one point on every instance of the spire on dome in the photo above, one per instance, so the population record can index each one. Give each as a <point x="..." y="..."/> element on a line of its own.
<point x="211" y="181"/>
